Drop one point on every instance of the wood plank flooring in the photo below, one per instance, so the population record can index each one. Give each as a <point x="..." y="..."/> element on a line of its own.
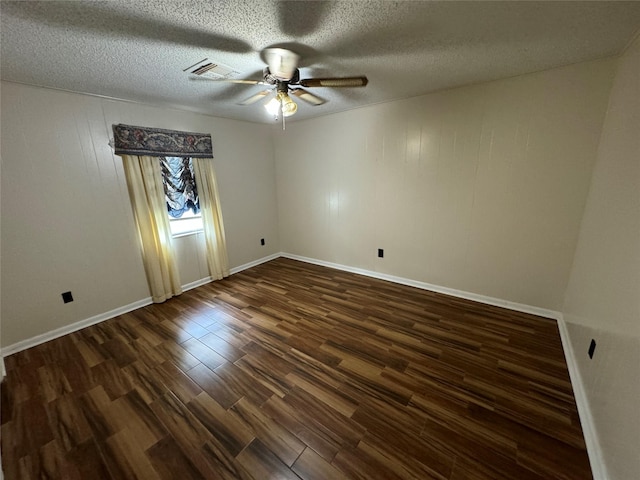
<point x="290" y="370"/>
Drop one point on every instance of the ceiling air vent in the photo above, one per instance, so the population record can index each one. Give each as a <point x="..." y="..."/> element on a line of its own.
<point x="210" y="69"/>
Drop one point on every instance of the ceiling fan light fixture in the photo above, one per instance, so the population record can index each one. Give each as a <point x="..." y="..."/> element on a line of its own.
<point x="281" y="103"/>
<point x="289" y="107"/>
<point x="273" y="106"/>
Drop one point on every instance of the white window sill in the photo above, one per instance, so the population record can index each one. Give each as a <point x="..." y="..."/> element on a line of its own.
<point x="187" y="234"/>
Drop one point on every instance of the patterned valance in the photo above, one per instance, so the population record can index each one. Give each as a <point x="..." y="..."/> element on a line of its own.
<point x="155" y="142"/>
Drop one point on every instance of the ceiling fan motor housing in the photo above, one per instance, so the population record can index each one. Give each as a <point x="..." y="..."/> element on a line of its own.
<point x="272" y="79"/>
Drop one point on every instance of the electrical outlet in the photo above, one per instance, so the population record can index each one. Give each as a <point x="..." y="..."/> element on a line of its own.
<point x="67" y="297"/>
<point x="262" y="241"/>
<point x="380" y="253"/>
<point x="592" y="348"/>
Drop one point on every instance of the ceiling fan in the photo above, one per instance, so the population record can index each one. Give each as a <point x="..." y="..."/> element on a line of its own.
<point x="283" y="76"/>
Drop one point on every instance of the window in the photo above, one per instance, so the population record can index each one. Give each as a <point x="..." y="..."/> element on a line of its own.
<point x="181" y="195"/>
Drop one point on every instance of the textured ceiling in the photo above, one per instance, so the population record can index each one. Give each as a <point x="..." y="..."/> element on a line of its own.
<point x="137" y="50"/>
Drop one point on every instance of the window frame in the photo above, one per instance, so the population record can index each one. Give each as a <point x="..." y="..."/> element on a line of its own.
<point x="175" y="232"/>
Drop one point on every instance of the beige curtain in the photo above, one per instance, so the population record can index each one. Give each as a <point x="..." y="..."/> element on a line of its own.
<point x="144" y="179"/>
<point x="211" y="218"/>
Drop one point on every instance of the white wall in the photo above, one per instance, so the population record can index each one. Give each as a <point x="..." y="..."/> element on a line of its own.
<point x="66" y="216"/>
<point x="603" y="296"/>
<point x="479" y="189"/>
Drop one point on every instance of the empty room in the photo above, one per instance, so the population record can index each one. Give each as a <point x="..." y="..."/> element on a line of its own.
<point x="256" y="239"/>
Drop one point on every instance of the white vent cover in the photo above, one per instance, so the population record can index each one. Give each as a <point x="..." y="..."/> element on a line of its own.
<point x="211" y="69"/>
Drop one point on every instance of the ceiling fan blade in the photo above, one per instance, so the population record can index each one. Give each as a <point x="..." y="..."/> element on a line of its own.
<point x="307" y="97"/>
<point x="282" y="62"/>
<point x="255" y="98"/>
<point x="227" y="80"/>
<point x="335" y="82"/>
<point x="298" y="19"/>
<point x="115" y="20"/>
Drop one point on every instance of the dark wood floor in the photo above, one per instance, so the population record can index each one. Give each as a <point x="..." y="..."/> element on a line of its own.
<point x="291" y="370"/>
